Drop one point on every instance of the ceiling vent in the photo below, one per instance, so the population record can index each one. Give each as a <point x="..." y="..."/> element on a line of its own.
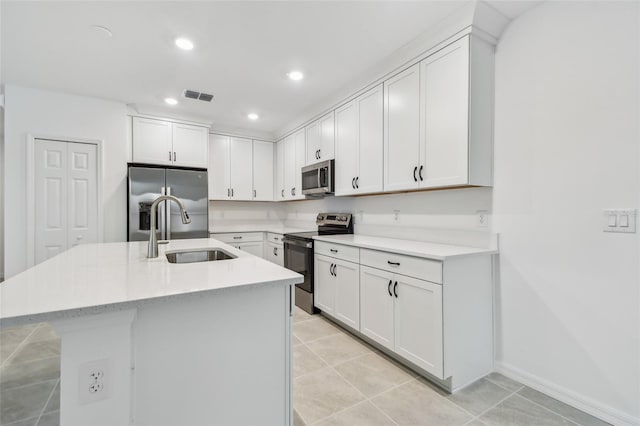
<point x="192" y="94"/>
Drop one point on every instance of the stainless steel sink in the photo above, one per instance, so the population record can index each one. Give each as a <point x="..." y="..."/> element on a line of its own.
<point x="198" y="255"/>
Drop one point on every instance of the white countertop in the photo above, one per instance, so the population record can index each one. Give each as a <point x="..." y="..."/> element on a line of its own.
<point x="410" y="248"/>
<point x="96" y="275"/>
<point x="275" y="228"/>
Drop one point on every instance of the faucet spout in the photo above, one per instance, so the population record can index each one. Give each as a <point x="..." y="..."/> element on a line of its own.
<point x="152" y="250"/>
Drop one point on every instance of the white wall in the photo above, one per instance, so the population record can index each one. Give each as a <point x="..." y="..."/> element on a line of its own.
<point x="567" y="147"/>
<point x="60" y="115"/>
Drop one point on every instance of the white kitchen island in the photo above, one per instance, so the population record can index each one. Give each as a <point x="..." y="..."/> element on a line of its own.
<point x="205" y="343"/>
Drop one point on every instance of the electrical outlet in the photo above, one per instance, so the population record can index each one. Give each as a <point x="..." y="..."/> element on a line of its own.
<point x="93" y="380"/>
<point x="482" y="218"/>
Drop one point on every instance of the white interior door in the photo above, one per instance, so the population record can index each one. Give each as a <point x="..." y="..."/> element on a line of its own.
<point x="66" y="196"/>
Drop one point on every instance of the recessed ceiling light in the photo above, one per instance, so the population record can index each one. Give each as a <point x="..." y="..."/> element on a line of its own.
<point x="184" y="43"/>
<point x="253" y="116"/>
<point x="171" y="101"/>
<point x="295" y="75"/>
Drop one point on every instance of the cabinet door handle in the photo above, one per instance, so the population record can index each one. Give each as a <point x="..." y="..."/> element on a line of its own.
<point x="319" y="154"/>
<point x="255" y="193"/>
<point x="420" y="173"/>
<point x="395" y="292"/>
<point x="389" y="288"/>
<point x="294" y="192"/>
<point x="231" y="192"/>
<point x="275" y="251"/>
<point x="353" y="183"/>
<point x="169" y="155"/>
<point x="228" y="192"/>
<point x="335" y="274"/>
<point x="393" y="263"/>
<point x="333" y="250"/>
<point x="357" y="179"/>
<point x="331" y="269"/>
<point x="415" y="169"/>
<point x="174" y="156"/>
<point x="282" y="193"/>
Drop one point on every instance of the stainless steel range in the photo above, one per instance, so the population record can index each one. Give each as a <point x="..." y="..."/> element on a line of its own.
<point x="298" y="253"/>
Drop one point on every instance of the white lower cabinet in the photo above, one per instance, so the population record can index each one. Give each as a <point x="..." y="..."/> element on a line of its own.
<point x="434" y="315"/>
<point x="376" y="305"/>
<point x="403" y="314"/>
<point x="418" y="322"/>
<point x="255" y="248"/>
<point x="337" y="289"/>
<point x="274" y="253"/>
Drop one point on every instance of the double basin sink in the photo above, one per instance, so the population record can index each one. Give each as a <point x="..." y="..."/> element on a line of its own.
<point x="198" y="255"/>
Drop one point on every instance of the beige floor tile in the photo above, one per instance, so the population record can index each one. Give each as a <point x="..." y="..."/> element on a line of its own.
<point x="338" y="348"/>
<point x="297" y="420"/>
<point x="518" y="411"/>
<point x="561" y="408"/>
<point x="296" y="341"/>
<point x="316" y="328"/>
<point x="44" y="332"/>
<point x="31" y="351"/>
<point x="50" y="419"/>
<point x="305" y="361"/>
<point x="322" y="393"/>
<point x="299" y="315"/>
<point x="27" y="373"/>
<point x="505" y="382"/>
<point x="416" y="404"/>
<point x="373" y="374"/>
<point x="479" y="396"/>
<point x="24" y="402"/>
<point x="363" y="414"/>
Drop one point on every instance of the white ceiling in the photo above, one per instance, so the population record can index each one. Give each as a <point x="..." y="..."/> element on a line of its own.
<point x="242" y="51"/>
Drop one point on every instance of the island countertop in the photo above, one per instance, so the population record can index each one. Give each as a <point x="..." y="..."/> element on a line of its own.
<point x="96" y="276"/>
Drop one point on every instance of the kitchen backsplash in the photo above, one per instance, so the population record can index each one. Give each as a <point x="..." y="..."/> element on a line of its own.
<point x="449" y="216"/>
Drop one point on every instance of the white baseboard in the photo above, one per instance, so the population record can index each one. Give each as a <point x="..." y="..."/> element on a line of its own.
<point x="581" y="402"/>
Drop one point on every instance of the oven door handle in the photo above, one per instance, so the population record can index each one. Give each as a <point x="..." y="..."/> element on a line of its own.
<point x="305" y="244"/>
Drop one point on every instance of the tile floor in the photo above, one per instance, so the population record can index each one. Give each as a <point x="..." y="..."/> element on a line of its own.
<point x="338" y="380"/>
<point x="341" y="380"/>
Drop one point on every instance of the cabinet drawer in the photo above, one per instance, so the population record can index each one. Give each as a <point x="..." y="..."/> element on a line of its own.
<point x="274" y="238"/>
<point x="339" y="251"/>
<point x="239" y="237"/>
<point x="424" y="269"/>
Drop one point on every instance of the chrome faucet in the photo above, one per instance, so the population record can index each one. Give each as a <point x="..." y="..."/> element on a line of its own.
<point x="152" y="251"/>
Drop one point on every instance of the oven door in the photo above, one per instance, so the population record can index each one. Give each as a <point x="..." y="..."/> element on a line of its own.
<point x="298" y="256"/>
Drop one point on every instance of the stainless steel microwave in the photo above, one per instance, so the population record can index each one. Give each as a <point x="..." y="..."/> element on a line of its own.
<point x="318" y="179"/>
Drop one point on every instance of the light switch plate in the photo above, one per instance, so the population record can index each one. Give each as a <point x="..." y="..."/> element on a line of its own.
<point x="615" y="219"/>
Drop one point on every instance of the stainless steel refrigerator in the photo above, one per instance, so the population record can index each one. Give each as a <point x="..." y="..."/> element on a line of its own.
<point x="148" y="183"/>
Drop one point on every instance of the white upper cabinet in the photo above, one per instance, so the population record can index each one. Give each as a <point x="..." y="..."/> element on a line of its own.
<point x="313" y="142"/>
<point x="152" y="141"/>
<point x="280" y="191"/>
<point x="438" y="120"/>
<point x="359" y="144"/>
<point x="300" y="157"/>
<point x="218" y="173"/>
<point x="167" y="143"/>
<point x="263" y="160"/>
<point x="402" y="130"/>
<point x="289" y="165"/>
<point x="230" y="168"/>
<point x="457" y="115"/>
<point x="320" y="139"/>
<point x="190" y="145"/>
<point x="241" y="170"/>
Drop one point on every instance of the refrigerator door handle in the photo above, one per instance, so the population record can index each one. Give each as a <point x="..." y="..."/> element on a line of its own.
<point x="167" y="206"/>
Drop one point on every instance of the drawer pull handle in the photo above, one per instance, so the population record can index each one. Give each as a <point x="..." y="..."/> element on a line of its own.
<point x="275" y="251"/>
<point x="237" y="238"/>
<point x="395" y="292"/>
<point x="393" y="263"/>
<point x="389" y="288"/>
<point x="334" y="251"/>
